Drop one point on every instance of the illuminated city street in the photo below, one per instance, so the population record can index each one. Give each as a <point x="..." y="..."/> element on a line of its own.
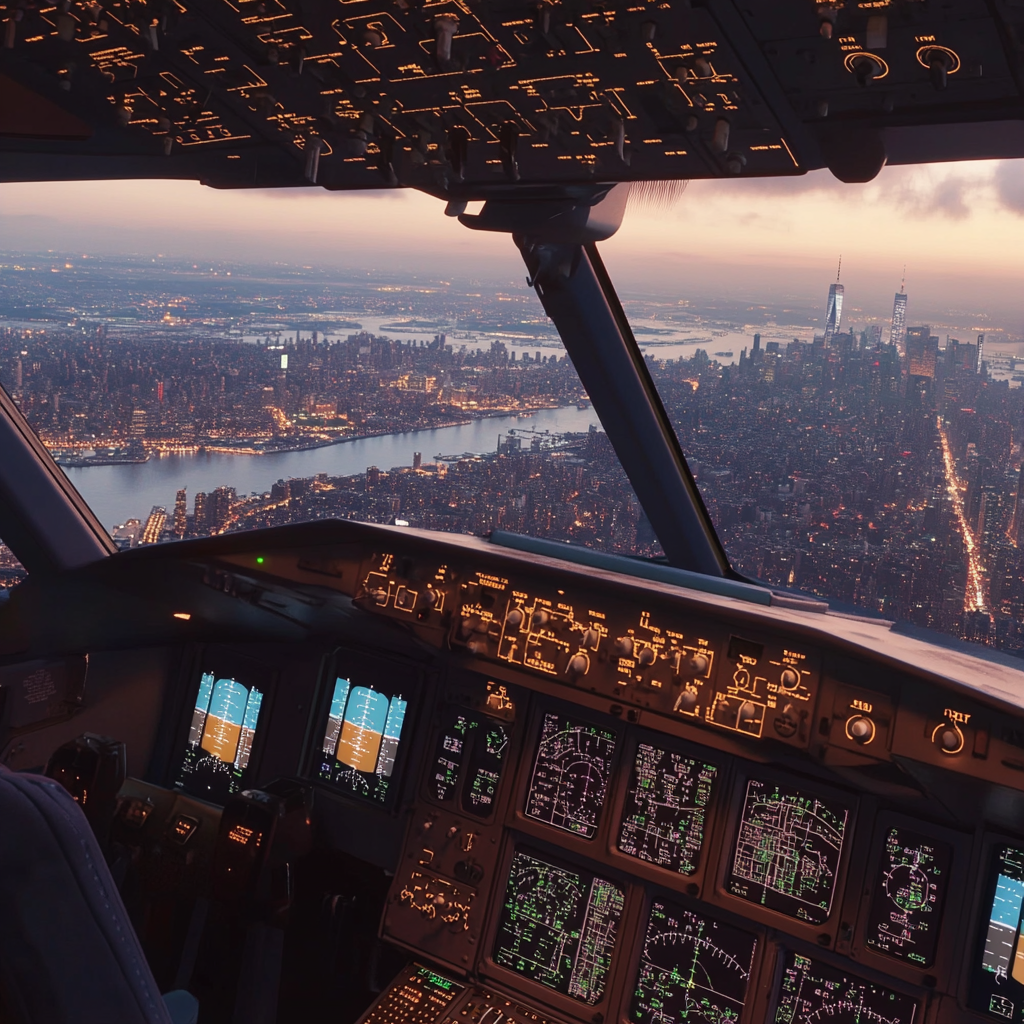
<point x="974" y="598"/>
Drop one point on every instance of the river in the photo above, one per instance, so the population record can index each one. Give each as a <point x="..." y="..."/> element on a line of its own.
<point x="117" y="493"/>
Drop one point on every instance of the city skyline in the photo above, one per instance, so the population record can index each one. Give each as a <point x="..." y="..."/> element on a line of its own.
<point x="759" y="237"/>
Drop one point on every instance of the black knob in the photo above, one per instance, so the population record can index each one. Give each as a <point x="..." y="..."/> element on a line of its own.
<point x="790" y="678"/>
<point x="646" y="656"/>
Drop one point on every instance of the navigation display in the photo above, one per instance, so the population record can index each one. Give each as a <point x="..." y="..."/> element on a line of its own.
<point x="558" y="926"/>
<point x="361" y="740"/>
<point x="788" y="849"/>
<point x="570" y="775"/>
<point x="811" y="992"/>
<point x="909" y="892"/>
<point x="692" y="969"/>
<point x="997" y="975"/>
<point x="478" y="745"/>
<point x="220" y="737"/>
<point x="664" y="811"/>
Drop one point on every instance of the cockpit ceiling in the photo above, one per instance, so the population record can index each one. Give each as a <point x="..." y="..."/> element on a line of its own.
<point x="461" y="98"/>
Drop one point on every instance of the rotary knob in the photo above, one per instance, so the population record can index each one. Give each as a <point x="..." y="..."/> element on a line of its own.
<point x="860" y="729"/>
<point x="379" y="596"/>
<point x="591" y="638"/>
<point x="624" y="647"/>
<point x="646" y="656"/>
<point x="540" y="618"/>
<point x="687" y="701"/>
<point x="948" y="738"/>
<point x="515" y="617"/>
<point x="747" y="712"/>
<point x="579" y="664"/>
<point x="790" y="679"/>
<point x="469" y="625"/>
<point x="698" y="664"/>
<point x="429" y="597"/>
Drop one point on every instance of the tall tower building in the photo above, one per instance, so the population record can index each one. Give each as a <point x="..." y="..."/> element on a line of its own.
<point x="180" y="514"/>
<point x="1017" y="524"/>
<point x="834" y="310"/>
<point x="898" y="331"/>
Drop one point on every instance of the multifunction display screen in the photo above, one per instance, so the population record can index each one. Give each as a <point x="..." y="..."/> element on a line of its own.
<point x="570" y="775"/>
<point x="909" y="892"/>
<point x="558" y="926"/>
<point x="997" y="975"/>
<point x="470" y="749"/>
<point x="692" y="969"/>
<point x="665" y="809"/>
<point x="811" y="992"/>
<point x="361" y="739"/>
<point x="220" y="737"/>
<point x="788" y="849"/>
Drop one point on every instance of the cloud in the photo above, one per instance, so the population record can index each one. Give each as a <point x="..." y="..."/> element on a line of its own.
<point x="1008" y="181"/>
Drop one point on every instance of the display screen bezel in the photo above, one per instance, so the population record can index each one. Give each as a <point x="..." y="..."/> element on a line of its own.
<point x="224" y="663"/>
<point x="529" y="989"/>
<point x="508" y="771"/>
<point x="364" y="670"/>
<point x="822" y="934"/>
<point x="975" y="940"/>
<point x="871" y="975"/>
<point x="518" y="818"/>
<point x="693" y="884"/>
<point x="944" y="963"/>
<point x="763" y="954"/>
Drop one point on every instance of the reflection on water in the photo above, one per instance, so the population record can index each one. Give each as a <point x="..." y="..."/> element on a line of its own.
<point x="117" y="493"/>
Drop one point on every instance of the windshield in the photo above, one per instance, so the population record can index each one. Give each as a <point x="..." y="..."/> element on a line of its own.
<point x="844" y="387"/>
<point x="846" y="393"/>
<point x="187" y="398"/>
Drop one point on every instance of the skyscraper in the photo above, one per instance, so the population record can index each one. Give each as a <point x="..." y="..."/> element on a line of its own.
<point x="834" y="310"/>
<point x="922" y="352"/>
<point x="180" y="514"/>
<point x="898" y="331"/>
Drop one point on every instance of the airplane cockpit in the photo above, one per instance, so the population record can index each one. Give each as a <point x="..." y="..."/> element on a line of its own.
<point x="376" y="774"/>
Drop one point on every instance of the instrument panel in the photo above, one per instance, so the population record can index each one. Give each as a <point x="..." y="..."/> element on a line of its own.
<point x="618" y="800"/>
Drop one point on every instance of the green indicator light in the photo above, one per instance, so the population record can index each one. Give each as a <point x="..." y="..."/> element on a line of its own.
<point x="259" y="561"/>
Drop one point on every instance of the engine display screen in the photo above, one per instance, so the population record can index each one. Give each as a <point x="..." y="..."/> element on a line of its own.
<point x="570" y="775"/>
<point x="470" y="749"/>
<point x="811" y="992"/>
<point x="692" y="969"/>
<point x="909" y="892"/>
<point x="220" y="737"/>
<point x="788" y="849"/>
<point x="558" y="926"/>
<point x="361" y="739"/>
<point x="997" y="975"/>
<point x="664" y="812"/>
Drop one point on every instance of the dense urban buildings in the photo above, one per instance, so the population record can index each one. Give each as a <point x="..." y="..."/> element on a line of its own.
<point x="886" y="476"/>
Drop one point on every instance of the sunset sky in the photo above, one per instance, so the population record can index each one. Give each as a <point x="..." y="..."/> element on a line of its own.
<point x="959" y="228"/>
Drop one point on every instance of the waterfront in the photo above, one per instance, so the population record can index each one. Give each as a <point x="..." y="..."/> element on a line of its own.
<point x="117" y="493"/>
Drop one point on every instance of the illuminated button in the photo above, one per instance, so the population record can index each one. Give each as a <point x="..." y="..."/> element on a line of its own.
<point x="948" y="738"/>
<point x="515" y="618"/>
<point x="579" y="664"/>
<point x="646" y="656"/>
<point x="790" y="678"/>
<point x="624" y="647"/>
<point x="540" y="618"/>
<point x="860" y="729"/>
